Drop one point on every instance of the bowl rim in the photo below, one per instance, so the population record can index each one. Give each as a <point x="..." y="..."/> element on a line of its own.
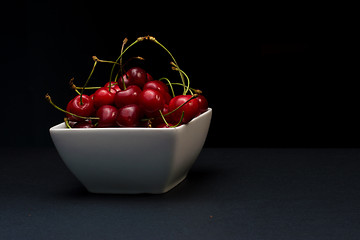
<point x="61" y="126"/>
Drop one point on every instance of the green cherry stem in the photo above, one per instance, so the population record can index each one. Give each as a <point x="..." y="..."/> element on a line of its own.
<point x="187" y="78"/>
<point x="48" y="98"/>
<point x="121" y="54"/>
<point x="192" y="97"/>
<point x="163" y="118"/>
<point x="190" y="89"/>
<point x="66" y="120"/>
<point x="121" y="66"/>
<point x="170" y="84"/>
<point x="182" y="117"/>
<point x="92" y="71"/>
<point x="104" y="61"/>
<point x="158" y="43"/>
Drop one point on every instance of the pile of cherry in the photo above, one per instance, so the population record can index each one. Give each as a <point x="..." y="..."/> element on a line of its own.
<point x="135" y="99"/>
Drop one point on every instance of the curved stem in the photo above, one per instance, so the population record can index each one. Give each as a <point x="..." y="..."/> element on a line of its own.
<point x="170" y="84"/>
<point x="182" y="117"/>
<point x="163" y="118"/>
<point x="187" y="78"/>
<point x="112" y="70"/>
<point x="82" y="90"/>
<point x="66" y="120"/>
<point x="190" y="89"/>
<point x="193" y="97"/>
<point x="48" y="98"/>
<point x="157" y="42"/>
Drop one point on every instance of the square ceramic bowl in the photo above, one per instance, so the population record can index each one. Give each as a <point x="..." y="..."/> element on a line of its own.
<point x="131" y="160"/>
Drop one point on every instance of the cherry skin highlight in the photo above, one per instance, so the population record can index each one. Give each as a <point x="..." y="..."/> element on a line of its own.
<point x="103" y="96"/>
<point x="114" y="85"/>
<point x="151" y="100"/>
<point x="203" y="104"/>
<point x="137" y="76"/>
<point x="107" y="116"/>
<point x="128" y="96"/>
<point x="86" y="109"/>
<point x="157" y="85"/>
<point x="190" y="109"/>
<point x="129" y="116"/>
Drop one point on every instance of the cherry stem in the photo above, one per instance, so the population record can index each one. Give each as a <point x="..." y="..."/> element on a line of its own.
<point x="92" y="71"/>
<point x="48" y="98"/>
<point x="89" y="88"/>
<point x="157" y="42"/>
<point x="170" y="84"/>
<point x="182" y="117"/>
<point x="192" y="97"/>
<point x="163" y="118"/>
<point x="191" y="90"/>
<point x="121" y="54"/>
<point x="187" y="78"/>
<point x="66" y="120"/>
<point x="121" y="66"/>
<point x="104" y="61"/>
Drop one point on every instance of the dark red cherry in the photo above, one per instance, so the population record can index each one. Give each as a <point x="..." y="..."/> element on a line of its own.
<point x="129" y="116"/>
<point x="121" y="81"/>
<point x="167" y="98"/>
<point x="84" y="124"/>
<point x="128" y="96"/>
<point x="190" y="109"/>
<point x="163" y="125"/>
<point x="157" y="119"/>
<point x="107" y="116"/>
<point x="137" y="76"/>
<point x="103" y="96"/>
<point x="157" y="85"/>
<point x="86" y="109"/>
<point x="70" y="117"/>
<point x="114" y="85"/>
<point x="203" y="104"/>
<point x="151" y="100"/>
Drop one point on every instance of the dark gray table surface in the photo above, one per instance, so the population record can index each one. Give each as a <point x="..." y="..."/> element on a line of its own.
<point x="229" y="194"/>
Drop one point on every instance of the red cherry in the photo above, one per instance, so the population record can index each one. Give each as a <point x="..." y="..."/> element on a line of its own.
<point x="107" y="116"/>
<point x="157" y="85"/>
<point x="103" y="96"/>
<point x="137" y="76"/>
<point x="163" y="125"/>
<point x="203" y="104"/>
<point x="123" y="79"/>
<point x="128" y="96"/>
<point x="167" y="98"/>
<point x="84" y="124"/>
<point x="157" y="117"/>
<point x="86" y="109"/>
<point x="114" y="85"/>
<point x="129" y="116"/>
<point x="151" y="100"/>
<point x="71" y="117"/>
<point x="190" y="109"/>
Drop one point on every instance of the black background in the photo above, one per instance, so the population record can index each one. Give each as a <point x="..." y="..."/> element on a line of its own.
<point x="274" y="78"/>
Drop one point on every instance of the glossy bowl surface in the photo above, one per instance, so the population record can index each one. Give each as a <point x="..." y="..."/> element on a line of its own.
<point x="131" y="160"/>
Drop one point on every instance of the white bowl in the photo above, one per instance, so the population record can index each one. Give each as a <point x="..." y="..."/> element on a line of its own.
<point x="131" y="160"/>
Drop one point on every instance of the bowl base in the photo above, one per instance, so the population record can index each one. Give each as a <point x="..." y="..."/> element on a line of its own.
<point x="136" y="191"/>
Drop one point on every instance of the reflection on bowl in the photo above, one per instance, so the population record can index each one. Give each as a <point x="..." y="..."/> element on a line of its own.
<point x="131" y="160"/>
